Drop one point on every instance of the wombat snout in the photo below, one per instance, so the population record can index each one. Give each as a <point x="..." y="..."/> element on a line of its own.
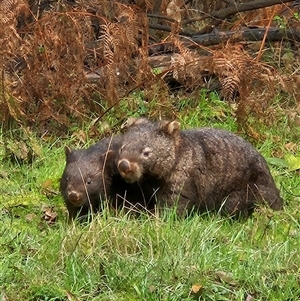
<point x="124" y="166"/>
<point x="129" y="170"/>
<point x="75" y="198"/>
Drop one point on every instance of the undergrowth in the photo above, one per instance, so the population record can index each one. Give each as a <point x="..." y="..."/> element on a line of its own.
<point x="63" y="61"/>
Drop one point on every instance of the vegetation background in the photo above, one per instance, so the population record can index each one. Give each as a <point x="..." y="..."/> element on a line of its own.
<point x="72" y="72"/>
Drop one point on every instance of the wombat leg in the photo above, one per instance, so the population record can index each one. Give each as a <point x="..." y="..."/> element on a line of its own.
<point x="76" y="212"/>
<point x="72" y="211"/>
<point x="238" y="204"/>
<point x="267" y="195"/>
<point x="182" y="204"/>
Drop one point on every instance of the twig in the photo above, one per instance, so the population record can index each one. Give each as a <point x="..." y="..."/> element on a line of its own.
<point x="168" y="29"/>
<point x="163" y="17"/>
<point x="264" y="39"/>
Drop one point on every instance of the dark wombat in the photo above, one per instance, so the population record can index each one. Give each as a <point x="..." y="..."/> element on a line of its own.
<point x="204" y="169"/>
<point x="91" y="177"/>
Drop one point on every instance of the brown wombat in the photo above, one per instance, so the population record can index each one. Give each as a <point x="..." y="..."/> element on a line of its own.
<point x="202" y="169"/>
<point x="91" y="177"/>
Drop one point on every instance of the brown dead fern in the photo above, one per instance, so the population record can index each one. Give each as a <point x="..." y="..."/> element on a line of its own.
<point x="63" y="61"/>
<point x="46" y="62"/>
<point x="187" y="66"/>
<point x="242" y="79"/>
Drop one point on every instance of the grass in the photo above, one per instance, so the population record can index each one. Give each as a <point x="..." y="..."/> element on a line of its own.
<point x="118" y="257"/>
<point x="150" y="259"/>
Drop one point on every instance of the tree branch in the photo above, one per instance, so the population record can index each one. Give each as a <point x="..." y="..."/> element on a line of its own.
<point x="249" y="34"/>
<point x="220" y="15"/>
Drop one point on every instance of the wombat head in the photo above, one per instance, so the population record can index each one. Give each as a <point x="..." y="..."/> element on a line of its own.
<point x="84" y="180"/>
<point x="148" y="148"/>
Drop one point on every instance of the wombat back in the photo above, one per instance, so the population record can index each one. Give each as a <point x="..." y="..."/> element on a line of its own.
<point x="233" y="166"/>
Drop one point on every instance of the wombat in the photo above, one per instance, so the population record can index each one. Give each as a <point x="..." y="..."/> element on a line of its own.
<point x="91" y="177"/>
<point x="203" y="169"/>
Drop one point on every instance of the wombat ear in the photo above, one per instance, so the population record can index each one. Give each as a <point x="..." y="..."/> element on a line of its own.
<point x="71" y="154"/>
<point x="170" y="127"/>
<point x="131" y="121"/>
<point x="128" y="123"/>
<point x="109" y="155"/>
<point x="68" y="153"/>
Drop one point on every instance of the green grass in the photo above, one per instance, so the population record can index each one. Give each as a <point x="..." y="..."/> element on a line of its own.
<point x="118" y="257"/>
<point x="150" y="259"/>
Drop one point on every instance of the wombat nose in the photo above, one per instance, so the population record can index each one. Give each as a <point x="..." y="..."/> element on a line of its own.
<point x="124" y="166"/>
<point x="73" y="196"/>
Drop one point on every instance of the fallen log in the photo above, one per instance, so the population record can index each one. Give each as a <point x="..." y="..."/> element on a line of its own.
<point x="273" y="34"/>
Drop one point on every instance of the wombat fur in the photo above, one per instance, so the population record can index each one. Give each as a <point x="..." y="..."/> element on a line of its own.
<point x="203" y="169"/>
<point x="91" y="177"/>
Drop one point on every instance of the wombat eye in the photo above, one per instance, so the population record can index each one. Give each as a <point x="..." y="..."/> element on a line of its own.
<point x="88" y="181"/>
<point x="146" y="152"/>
